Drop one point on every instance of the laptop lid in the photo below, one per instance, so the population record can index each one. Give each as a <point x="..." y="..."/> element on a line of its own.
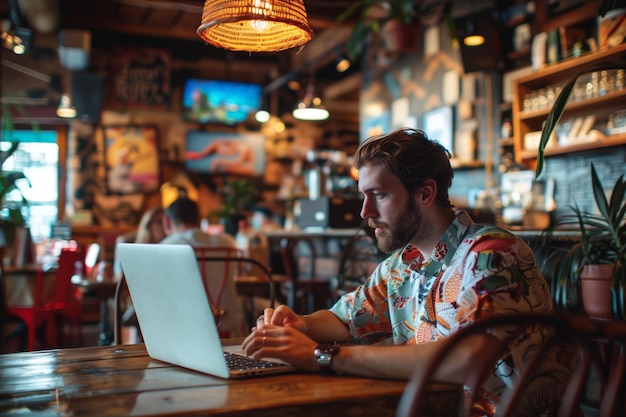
<point x="172" y="308"/>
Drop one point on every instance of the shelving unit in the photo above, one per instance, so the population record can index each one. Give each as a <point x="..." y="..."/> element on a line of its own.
<point x="525" y="121"/>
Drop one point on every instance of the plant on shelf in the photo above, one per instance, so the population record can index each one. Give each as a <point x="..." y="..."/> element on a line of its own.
<point x="374" y="14"/>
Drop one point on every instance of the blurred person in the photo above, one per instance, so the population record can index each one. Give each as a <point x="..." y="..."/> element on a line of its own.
<point x="149" y="230"/>
<point x="443" y="273"/>
<point x="182" y="226"/>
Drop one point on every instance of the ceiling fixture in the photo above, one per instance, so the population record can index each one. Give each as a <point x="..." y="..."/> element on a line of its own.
<point x="65" y="109"/>
<point x="472" y="37"/>
<point x="255" y="25"/>
<point x="310" y="107"/>
<point x="14" y="39"/>
<point x="262" y="116"/>
<point x="343" y="64"/>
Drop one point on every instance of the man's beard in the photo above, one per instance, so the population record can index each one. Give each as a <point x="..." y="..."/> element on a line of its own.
<point x="403" y="230"/>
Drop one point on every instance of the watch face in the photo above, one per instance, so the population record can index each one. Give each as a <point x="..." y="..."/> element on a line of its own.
<point x="324" y="353"/>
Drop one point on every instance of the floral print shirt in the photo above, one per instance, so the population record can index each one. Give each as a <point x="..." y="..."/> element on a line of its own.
<point x="474" y="271"/>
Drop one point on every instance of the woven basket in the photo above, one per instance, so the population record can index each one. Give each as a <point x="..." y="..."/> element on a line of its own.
<point x="255" y="25"/>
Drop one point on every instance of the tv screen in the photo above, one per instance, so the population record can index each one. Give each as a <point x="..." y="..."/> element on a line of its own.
<point x="214" y="101"/>
<point x="225" y="153"/>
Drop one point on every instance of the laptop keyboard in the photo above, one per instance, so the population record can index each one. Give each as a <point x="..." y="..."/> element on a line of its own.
<point x="237" y="362"/>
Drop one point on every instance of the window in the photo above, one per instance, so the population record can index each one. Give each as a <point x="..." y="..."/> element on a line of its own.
<point x="37" y="157"/>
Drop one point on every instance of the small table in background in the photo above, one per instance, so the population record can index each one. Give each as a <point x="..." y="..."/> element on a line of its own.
<point x="104" y="291"/>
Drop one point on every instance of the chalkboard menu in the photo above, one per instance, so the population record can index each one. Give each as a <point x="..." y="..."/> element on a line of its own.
<point x="139" y="79"/>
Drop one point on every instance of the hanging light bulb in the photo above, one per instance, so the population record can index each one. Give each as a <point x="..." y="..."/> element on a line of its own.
<point x="310" y="108"/>
<point x="472" y="38"/>
<point x="65" y="109"/>
<point x="261" y="8"/>
<point x="262" y="116"/>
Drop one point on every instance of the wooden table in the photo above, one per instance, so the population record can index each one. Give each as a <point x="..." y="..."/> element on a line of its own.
<point x="124" y="380"/>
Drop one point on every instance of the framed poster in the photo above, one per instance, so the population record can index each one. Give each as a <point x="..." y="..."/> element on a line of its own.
<point x="131" y="159"/>
<point x="439" y="125"/>
<point x="225" y="153"/>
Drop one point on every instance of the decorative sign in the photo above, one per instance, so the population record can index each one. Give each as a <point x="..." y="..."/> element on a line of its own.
<point x="140" y="79"/>
<point x="131" y="159"/>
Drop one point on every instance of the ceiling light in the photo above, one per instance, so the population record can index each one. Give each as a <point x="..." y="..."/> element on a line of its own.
<point x="343" y="64"/>
<point x="65" y="109"/>
<point x="310" y="107"/>
<point x="472" y="38"/>
<point x="255" y="25"/>
<point x="262" y="116"/>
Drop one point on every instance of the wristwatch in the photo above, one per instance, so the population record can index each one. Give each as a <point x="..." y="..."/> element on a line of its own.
<point x="324" y="354"/>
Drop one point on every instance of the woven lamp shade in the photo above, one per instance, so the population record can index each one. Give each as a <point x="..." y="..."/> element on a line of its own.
<point x="255" y="25"/>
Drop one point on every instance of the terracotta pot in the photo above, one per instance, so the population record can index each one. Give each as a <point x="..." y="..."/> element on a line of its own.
<point x="595" y="282"/>
<point x="399" y="37"/>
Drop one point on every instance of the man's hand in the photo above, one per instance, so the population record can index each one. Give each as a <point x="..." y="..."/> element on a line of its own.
<point x="281" y="316"/>
<point x="284" y="343"/>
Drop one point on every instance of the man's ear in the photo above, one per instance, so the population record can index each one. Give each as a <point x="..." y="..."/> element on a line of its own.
<point x="427" y="193"/>
<point x="167" y="225"/>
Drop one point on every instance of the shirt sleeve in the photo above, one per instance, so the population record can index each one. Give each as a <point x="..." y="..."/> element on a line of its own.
<point x="366" y="310"/>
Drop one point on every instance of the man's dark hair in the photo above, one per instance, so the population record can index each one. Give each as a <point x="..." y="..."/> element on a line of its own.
<point x="412" y="157"/>
<point x="183" y="211"/>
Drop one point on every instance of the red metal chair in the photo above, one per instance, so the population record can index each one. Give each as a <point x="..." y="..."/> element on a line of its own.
<point x="63" y="305"/>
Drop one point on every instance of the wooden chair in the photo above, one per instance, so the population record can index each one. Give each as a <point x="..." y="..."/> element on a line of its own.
<point x="305" y="293"/>
<point x="63" y="304"/>
<point x="590" y="344"/>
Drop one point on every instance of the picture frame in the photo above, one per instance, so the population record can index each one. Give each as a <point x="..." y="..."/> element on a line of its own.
<point x="225" y="153"/>
<point x="131" y="159"/>
<point x="439" y="125"/>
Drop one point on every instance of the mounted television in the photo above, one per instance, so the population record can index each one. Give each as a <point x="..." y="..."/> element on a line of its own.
<point x="225" y="153"/>
<point x="215" y="101"/>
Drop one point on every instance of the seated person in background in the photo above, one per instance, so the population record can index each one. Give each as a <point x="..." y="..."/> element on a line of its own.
<point x="182" y="226"/>
<point x="150" y="230"/>
<point x="444" y="272"/>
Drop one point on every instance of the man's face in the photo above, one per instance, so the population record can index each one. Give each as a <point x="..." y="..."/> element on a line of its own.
<point x="388" y="207"/>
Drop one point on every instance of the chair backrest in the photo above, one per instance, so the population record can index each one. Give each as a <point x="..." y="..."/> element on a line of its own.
<point x="91" y="258"/>
<point x="587" y="342"/>
<point x="216" y="275"/>
<point x="68" y="259"/>
<point x="299" y="258"/>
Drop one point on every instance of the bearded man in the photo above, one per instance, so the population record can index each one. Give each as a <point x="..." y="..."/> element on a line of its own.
<point x="444" y="272"/>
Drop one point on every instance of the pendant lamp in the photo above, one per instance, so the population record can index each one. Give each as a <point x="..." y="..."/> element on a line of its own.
<point x="65" y="109"/>
<point x="310" y="107"/>
<point x="255" y="25"/>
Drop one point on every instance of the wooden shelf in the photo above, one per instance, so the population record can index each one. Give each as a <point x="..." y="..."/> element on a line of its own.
<point x="573" y="107"/>
<point x="613" y="140"/>
<point x="572" y="17"/>
<point x="558" y="74"/>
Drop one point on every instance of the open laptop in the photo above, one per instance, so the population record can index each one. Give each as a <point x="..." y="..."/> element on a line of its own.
<point x="174" y="314"/>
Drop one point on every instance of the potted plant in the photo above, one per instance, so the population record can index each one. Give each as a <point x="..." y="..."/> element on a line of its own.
<point x="10" y="211"/>
<point x="398" y="18"/>
<point x="601" y="247"/>
<point x="236" y="197"/>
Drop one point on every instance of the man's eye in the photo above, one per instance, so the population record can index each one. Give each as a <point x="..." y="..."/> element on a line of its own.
<point x="378" y="196"/>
